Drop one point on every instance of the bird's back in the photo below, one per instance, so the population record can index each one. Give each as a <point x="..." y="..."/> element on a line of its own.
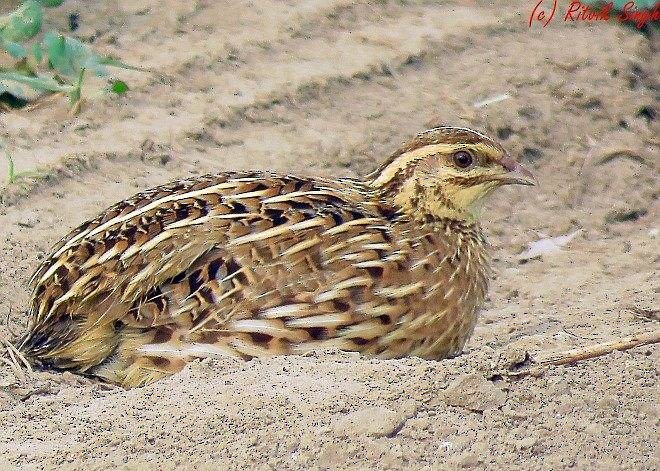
<point x="252" y="264"/>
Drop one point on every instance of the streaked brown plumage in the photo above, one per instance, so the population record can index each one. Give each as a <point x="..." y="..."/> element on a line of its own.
<point x="252" y="264"/>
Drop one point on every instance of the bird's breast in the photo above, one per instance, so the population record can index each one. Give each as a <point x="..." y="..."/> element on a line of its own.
<point x="453" y="268"/>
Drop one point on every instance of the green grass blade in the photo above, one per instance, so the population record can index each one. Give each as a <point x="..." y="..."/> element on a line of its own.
<point x="11" y="170"/>
<point x="113" y="62"/>
<point x="42" y="83"/>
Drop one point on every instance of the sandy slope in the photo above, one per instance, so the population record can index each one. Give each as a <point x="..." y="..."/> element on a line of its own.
<point x="328" y="88"/>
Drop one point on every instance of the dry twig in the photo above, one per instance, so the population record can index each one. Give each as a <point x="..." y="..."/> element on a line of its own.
<point x="586" y="353"/>
<point x="10" y="356"/>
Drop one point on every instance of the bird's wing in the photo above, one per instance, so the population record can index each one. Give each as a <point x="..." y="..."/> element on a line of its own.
<point x="222" y="252"/>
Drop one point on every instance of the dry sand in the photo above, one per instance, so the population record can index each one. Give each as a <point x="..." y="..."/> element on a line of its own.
<point x="329" y="88"/>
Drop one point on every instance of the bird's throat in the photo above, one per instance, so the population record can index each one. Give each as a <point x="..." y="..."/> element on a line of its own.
<point x="426" y="204"/>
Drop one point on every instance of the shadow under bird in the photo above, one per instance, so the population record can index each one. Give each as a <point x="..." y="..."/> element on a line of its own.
<point x="250" y="264"/>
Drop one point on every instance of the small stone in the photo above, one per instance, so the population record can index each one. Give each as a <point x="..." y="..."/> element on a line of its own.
<point x="524" y="443"/>
<point x="625" y="215"/>
<point x="372" y="421"/>
<point x="511" y="358"/>
<point x="531" y="154"/>
<point x="529" y="112"/>
<point x="504" y="132"/>
<point x="475" y="393"/>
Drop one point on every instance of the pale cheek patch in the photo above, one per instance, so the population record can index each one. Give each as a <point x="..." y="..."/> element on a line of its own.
<point x="465" y="198"/>
<point x="486" y="189"/>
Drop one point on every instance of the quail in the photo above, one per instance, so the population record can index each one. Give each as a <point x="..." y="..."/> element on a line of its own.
<point x="251" y="264"/>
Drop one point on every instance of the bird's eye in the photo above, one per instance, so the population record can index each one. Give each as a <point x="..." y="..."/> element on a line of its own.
<point x="463" y="159"/>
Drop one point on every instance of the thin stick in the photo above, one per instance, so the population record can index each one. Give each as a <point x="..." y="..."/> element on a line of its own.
<point x="600" y="349"/>
<point x="15" y="366"/>
<point x="585" y="353"/>
<point x="7" y="322"/>
<point x="10" y="348"/>
<point x="16" y="360"/>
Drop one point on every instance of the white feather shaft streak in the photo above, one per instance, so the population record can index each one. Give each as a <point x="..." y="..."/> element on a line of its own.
<point x="145" y="209"/>
<point x="353" y="283"/>
<point x="365" y="330"/>
<point x="323" y="320"/>
<point x="114" y="251"/>
<point x="198" y="350"/>
<point x="277" y="231"/>
<point x="370" y="264"/>
<point x="357" y="257"/>
<point x="349" y="242"/>
<point x="431" y="291"/>
<point x="250" y="194"/>
<point x="330" y="295"/>
<point x="382" y="246"/>
<point x="297" y="194"/>
<point x="400" y="291"/>
<point x="236" y="216"/>
<point x="250" y="349"/>
<point x="226" y="295"/>
<point x="272" y="327"/>
<point x="218" y="317"/>
<point x="350" y="224"/>
<point x="374" y="309"/>
<point x="187" y="222"/>
<point x="287" y="310"/>
<point x="300" y="246"/>
<point x="76" y="288"/>
<point x="163" y="236"/>
<point x="189" y="305"/>
<point x="54" y="267"/>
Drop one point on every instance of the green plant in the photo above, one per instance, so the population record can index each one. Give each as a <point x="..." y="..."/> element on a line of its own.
<point x="56" y="64"/>
<point x="13" y="176"/>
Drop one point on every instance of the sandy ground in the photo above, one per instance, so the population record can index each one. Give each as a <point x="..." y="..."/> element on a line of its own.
<point x="329" y="88"/>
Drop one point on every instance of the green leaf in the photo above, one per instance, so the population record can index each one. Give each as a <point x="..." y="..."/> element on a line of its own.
<point x="119" y="87"/>
<point x="59" y="58"/>
<point x="69" y="56"/>
<point x="22" y="24"/>
<point x="51" y="3"/>
<point x="16" y="50"/>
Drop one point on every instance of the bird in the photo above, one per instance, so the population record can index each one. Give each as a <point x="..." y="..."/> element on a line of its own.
<point x="254" y="263"/>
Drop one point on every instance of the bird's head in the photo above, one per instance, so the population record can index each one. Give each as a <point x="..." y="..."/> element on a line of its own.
<point x="446" y="172"/>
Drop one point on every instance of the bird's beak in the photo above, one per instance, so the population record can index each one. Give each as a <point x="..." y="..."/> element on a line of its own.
<point x="516" y="175"/>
